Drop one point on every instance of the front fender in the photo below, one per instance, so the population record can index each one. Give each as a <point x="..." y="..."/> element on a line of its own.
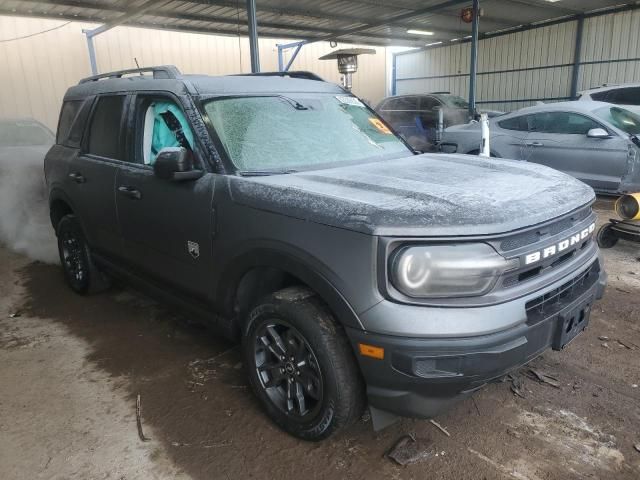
<point x="293" y="261"/>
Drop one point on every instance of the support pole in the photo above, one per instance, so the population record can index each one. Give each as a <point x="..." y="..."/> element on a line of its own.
<point x="473" y="73"/>
<point x="128" y="16"/>
<point x="293" y="56"/>
<point x="280" y="58"/>
<point x="92" y="52"/>
<point x="575" y="74"/>
<point x="253" y="36"/>
<point x="394" y="80"/>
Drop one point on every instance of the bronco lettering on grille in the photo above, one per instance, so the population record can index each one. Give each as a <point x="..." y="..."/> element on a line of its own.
<point x="559" y="247"/>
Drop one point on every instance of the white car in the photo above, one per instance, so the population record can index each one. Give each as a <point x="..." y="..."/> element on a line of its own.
<point x="627" y="95"/>
<point x="596" y="142"/>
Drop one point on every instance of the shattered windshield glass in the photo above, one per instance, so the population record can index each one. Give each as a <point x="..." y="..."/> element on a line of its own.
<point x="625" y="120"/>
<point x="275" y="133"/>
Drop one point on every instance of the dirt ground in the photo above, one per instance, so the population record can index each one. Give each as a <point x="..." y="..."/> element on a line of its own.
<point x="71" y="368"/>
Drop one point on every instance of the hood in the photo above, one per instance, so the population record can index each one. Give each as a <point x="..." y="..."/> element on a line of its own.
<point x="463" y="127"/>
<point x="421" y="195"/>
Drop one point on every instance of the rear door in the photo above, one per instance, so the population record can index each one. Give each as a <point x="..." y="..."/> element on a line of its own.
<point x="507" y="140"/>
<point x="92" y="174"/>
<point x="559" y="140"/>
<point x="166" y="225"/>
<point x="401" y="113"/>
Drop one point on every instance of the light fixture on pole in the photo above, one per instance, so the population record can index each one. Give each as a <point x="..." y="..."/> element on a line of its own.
<point x="348" y="62"/>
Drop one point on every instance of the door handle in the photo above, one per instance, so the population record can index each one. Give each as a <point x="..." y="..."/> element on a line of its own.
<point x="130" y="192"/>
<point x="77" y="177"/>
<point x="534" y="144"/>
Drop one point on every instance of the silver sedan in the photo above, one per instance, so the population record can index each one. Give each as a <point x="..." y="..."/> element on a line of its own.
<point x="596" y="142"/>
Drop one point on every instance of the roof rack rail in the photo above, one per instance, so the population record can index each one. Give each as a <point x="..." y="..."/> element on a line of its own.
<point x="293" y="74"/>
<point x="160" y="72"/>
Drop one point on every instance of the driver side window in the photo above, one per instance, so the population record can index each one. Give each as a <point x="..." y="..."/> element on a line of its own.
<point x="162" y="124"/>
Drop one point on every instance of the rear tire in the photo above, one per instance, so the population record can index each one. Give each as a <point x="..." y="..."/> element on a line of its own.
<point x="606" y="238"/>
<point x="301" y="365"/>
<point x="79" y="270"/>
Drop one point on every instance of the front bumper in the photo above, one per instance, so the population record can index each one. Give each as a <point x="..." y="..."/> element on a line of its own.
<point x="421" y="377"/>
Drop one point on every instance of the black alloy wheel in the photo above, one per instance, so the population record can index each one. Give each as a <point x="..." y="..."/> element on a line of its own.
<point x="288" y="369"/>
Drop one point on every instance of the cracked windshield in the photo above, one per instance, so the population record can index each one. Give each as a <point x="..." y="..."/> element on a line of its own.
<point x="287" y="133"/>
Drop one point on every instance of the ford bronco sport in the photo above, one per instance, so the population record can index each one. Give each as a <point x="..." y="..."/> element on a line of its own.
<point x="282" y="210"/>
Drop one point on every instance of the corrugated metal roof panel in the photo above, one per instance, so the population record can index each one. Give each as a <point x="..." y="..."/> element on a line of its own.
<point x="310" y="19"/>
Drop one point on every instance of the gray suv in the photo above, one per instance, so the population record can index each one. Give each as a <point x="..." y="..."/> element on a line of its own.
<point x="282" y="211"/>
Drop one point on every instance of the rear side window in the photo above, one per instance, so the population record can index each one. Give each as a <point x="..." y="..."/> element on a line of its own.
<point x="562" y="123"/>
<point x="625" y="96"/>
<point x="68" y="114"/>
<point x="515" y="123"/>
<point x="600" y="96"/>
<point x="104" y="133"/>
<point x="402" y="103"/>
<point x="429" y="103"/>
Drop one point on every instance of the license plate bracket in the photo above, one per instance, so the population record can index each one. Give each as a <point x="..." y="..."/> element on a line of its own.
<point x="571" y="322"/>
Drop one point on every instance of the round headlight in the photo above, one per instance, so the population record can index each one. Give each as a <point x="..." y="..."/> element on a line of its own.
<point x="458" y="270"/>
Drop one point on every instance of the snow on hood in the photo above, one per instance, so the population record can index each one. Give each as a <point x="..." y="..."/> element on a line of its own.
<point x="423" y="195"/>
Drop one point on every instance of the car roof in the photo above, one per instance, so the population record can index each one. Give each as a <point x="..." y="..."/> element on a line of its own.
<point x="427" y="94"/>
<point x="605" y="88"/>
<point x="173" y="81"/>
<point x="586" y="106"/>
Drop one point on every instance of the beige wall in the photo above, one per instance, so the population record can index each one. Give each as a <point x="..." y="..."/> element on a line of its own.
<point x="36" y="71"/>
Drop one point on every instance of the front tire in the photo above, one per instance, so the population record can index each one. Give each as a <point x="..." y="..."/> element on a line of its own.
<point x="79" y="270"/>
<point x="301" y="365"/>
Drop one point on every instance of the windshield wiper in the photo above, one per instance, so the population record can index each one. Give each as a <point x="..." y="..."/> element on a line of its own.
<point x="264" y="173"/>
<point x="294" y="103"/>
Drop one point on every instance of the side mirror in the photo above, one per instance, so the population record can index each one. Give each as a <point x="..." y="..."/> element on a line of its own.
<point x="175" y="163"/>
<point x="598" y="133"/>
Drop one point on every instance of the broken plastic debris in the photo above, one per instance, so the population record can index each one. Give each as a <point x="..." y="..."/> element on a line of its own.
<point x="516" y="385"/>
<point x="14" y="315"/>
<point x="545" y="378"/>
<point x="408" y="450"/>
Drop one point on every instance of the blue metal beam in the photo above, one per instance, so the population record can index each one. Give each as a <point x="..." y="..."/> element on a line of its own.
<point x="473" y="71"/>
<point x="394" y="88"/>
<point x="575" y="74"/>
<point x="120" y="20"/>
<point x="285" y="46"/>
<point x="526" y="28"/>
<point x="253" y="36"/>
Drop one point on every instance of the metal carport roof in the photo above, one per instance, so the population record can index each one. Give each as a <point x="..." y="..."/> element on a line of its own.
<point x="375" y="22"/>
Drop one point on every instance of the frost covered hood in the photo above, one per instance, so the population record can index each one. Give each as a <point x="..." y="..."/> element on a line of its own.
<point x="420" y="195"/>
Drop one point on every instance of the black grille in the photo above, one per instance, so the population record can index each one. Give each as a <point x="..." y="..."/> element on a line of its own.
<point x="554" y="301"/>
<point x="527" y="238"/>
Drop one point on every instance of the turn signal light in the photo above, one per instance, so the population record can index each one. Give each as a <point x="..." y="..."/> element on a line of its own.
<point x="371" y="351"/>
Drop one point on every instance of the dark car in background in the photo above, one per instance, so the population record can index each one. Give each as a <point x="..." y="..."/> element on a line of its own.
<point x="626" y="95"/>
<point x="415" y="117"/>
